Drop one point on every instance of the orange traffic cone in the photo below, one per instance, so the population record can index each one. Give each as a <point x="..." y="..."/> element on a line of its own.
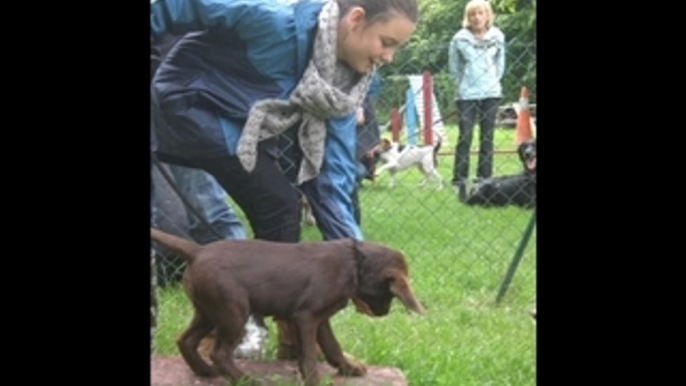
<point x="523" y="132"/>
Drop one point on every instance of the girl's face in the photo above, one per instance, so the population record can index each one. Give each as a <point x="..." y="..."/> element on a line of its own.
<point x="478" y="19"/>
<point x="363" y="45"/>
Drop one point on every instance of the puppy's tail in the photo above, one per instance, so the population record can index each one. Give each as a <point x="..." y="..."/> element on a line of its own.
<point x="437" y="147"/>
<point x="184" y="248"/>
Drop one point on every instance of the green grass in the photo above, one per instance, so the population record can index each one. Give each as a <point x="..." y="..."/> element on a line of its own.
<point x="458" y="257"/>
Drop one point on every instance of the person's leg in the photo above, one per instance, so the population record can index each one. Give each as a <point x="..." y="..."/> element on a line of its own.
<point x="153" y="275"/>
<point x="209" y="200"/>
<point x="487" y="111"/>
<point x="268" y="199"/>
<point x="467" y="114"/>
<point x="356" y="204"/>
<point x="170" y="216"/>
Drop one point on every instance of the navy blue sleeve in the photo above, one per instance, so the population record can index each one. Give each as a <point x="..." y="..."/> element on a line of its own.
<point x="250" y="18"/>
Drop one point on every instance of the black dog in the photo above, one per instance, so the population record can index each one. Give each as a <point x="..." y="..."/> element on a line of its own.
<point x="519" y="189"/>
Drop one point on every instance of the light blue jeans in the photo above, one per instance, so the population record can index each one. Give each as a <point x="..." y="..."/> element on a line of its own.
<point x="210" y="200"/>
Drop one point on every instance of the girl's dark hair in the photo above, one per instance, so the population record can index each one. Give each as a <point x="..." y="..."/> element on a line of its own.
<point x="380" y="10"/>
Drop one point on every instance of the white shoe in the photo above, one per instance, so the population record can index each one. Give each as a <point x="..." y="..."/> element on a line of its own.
<point x="254" y="344"/>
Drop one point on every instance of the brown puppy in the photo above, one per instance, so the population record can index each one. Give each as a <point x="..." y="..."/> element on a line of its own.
<point x="305" y="283"/>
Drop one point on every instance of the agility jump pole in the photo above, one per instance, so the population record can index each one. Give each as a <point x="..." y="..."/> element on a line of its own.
<point x="396" y="124"/>
<point x="409" y="112"/>
<point x="427" y="88"/>
<point x="410" y="117"/>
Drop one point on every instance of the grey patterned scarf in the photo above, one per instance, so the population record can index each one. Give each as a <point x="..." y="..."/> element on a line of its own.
<point x="327" y="89"/>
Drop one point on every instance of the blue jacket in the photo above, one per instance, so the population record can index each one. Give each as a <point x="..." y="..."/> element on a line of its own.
<point x="234" y="54"/>
<point x="477" y="65"/>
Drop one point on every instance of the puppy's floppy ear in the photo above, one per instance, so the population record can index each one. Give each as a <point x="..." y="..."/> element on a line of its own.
<point x="400" y="287"/>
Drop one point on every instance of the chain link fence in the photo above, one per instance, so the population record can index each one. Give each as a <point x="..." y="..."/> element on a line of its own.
<point x="464" y="249"/>
<point x="472" y="246"/>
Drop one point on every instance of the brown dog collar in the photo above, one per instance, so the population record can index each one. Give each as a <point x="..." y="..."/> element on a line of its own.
<point x="360" y="305"/>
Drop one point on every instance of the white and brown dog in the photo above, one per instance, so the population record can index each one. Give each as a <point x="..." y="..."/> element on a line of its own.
<point x="396" y="158"/>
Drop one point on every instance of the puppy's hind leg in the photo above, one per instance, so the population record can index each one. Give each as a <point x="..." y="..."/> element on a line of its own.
<point x="188" y="346"/>
<point x="428" y="175"/>
<point x="229" y="335"/>
<point x="425" y="173"/>
<point x="438" y="178"/>
<point x="423" y="183"/>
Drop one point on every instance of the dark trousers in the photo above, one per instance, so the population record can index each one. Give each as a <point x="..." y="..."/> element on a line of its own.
<point x="356" y="206"/>
<point x="486" y="109"/>
<point x="153" y="280"/>
<point x="269" y="200"/>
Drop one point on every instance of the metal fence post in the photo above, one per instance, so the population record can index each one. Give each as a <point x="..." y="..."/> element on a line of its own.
<point x="517" y="257"/>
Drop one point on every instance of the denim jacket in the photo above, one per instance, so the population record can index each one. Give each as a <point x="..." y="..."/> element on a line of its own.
<point x="477" y="65"/>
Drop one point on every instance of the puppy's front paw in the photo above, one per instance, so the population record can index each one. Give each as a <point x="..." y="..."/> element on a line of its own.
<point x="352" y="369"/>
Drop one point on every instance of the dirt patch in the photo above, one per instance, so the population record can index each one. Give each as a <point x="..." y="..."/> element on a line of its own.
<point x="174" y="372"/>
